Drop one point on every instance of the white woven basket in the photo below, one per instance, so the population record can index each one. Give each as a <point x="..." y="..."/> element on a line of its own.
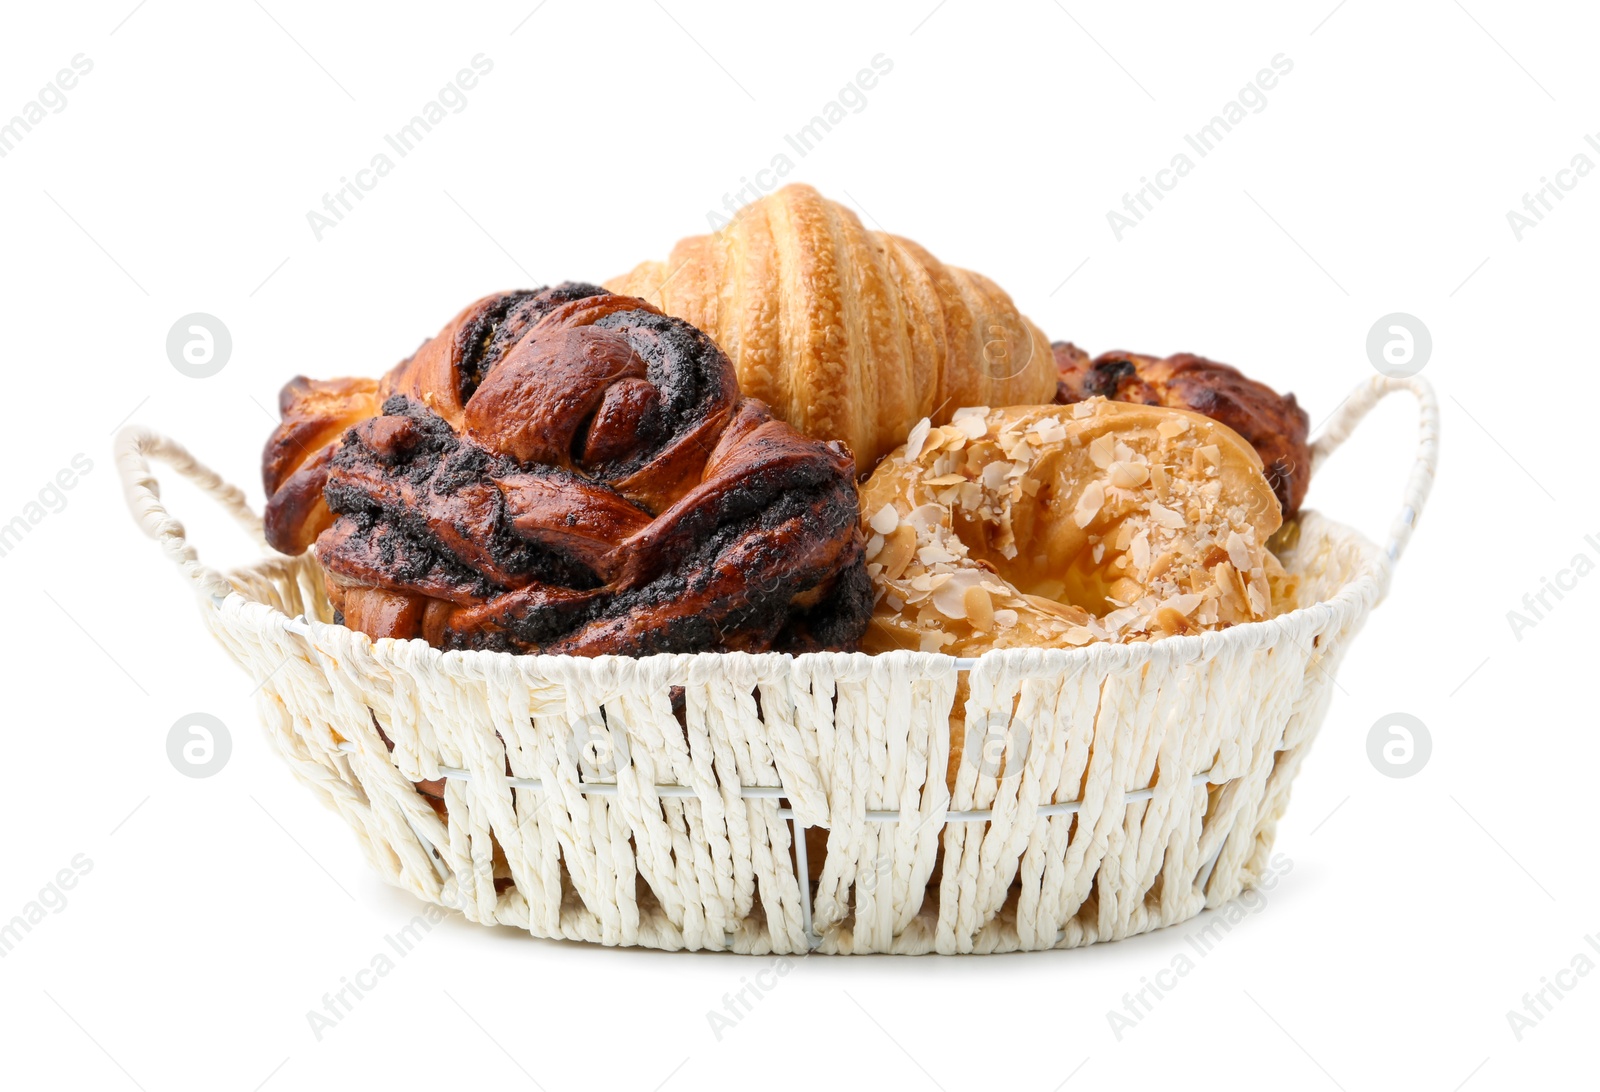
<point x="1102" y="791"/>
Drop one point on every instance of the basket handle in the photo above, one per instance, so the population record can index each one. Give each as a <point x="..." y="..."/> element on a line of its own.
<point x="1357" y="404"/>
<point x="135" y="447"/>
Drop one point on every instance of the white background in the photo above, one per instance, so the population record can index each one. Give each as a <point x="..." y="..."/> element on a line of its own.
<point x="177" y="179"/>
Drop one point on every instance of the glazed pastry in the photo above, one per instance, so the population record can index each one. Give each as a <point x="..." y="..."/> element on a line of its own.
<point x="847" y="333"/>
<point x="315" y="415"/>
<point x="1273" y="424"/>
<point x="569" y="471"/>
<point x="1056" y="526"/>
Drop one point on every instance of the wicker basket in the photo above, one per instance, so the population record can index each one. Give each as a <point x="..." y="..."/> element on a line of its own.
<point x="1101" y="792"/>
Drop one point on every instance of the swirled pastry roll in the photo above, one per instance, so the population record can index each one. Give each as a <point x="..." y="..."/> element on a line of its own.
<point x="568" y="471"/>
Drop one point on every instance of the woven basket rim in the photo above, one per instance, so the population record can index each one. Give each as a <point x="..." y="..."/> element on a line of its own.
<point x="1361" y="592"/>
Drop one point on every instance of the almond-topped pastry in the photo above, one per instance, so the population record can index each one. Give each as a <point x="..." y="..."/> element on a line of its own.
<point x="1055" y="526"/>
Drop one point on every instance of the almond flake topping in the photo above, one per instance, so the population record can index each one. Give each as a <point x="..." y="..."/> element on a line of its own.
<point x="1185" y="604"/>
<point x="1166" y="556"/>
<point x="1129" y="475"/>
<point x="1102" y="450"/>
<point x="1258" y="598"/>
<point x="950" y="598"/>
<point x="919" y="433"/>
<point x="979" y="608"/>
<point x="994" y="475"/>
<point x="1139" y="550"/>
<point x="1090" y="501"/>
<point x="1166" y="517"/>
<point x="1238" y="552"/>
<point x="973" y="422"/>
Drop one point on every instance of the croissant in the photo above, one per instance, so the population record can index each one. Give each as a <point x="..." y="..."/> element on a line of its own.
<point x="568" y="471"/>
<point x="847" y="333"/>
<point x="1273" y="424"/>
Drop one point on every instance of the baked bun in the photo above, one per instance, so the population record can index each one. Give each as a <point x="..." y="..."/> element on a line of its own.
<point x="846" y="333"/>
<point x="568" y="471"/>
<point x="1056" y="526"/>
<point x="1274" y="424"/>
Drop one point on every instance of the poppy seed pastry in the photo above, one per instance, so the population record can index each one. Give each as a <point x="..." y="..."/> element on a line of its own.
<point x="568" y="471"/>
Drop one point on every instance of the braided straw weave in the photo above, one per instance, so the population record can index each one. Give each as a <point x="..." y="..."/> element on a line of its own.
<point x="1103" y="791"/>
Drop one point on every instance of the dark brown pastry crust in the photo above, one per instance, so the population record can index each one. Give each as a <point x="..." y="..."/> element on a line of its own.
<point x="1273" y="424"/>
<point x="569" y="471"/>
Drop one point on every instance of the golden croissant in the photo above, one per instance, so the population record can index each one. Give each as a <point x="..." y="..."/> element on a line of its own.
<point x="847" y="333"/>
